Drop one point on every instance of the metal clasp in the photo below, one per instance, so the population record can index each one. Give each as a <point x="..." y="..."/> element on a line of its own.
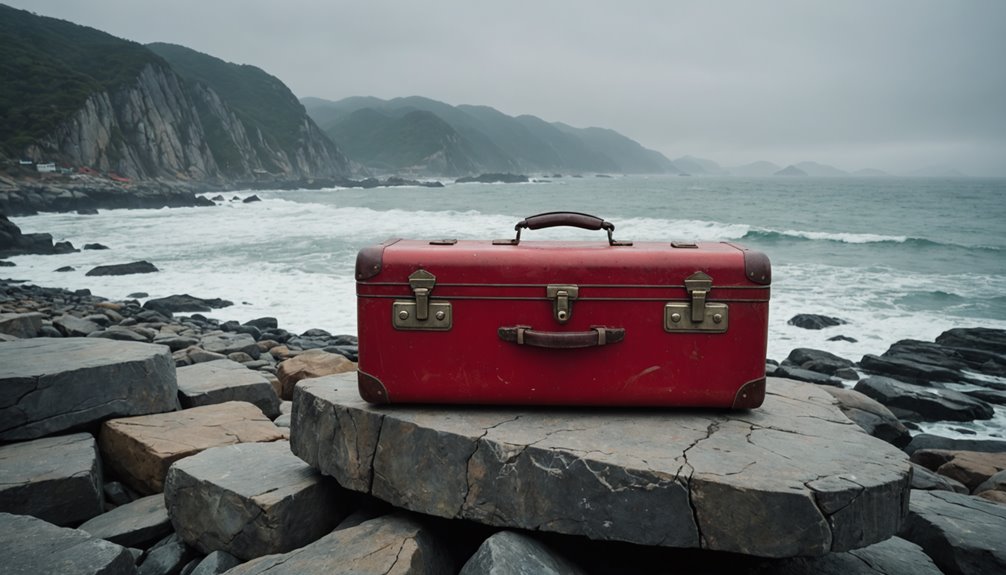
<point x="563" y="295"/>
<point x="422" y="314"/>
<point x="698" y="285"/>
<point x="697" y="315"/>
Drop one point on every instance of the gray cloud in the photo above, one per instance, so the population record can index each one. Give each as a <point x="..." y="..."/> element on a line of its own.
<point x="894" y="85"/>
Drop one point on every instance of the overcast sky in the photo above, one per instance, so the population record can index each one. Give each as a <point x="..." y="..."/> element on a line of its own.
<point x="895" y="85"/>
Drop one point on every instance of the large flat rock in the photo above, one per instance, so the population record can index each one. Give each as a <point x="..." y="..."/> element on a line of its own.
<point x="265" y="500"/>
<point x="57" y="479"/>
<point x="225" y="380"/>
<point x="794" y="477"/>
<point x="34" y="546"/>
<point x="962" y="534"/>
<point x="141" y="449"/>
<point x="49" y="385"/>
<point x="138" y="524"/>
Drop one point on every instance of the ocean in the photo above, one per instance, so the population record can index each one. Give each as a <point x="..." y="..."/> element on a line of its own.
<point x="896" y="258"/>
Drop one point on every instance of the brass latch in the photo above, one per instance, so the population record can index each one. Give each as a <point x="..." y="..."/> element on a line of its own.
<point x="422" y="314"/>
<point x="696" y="315"/>
<point x="562" y="296"/>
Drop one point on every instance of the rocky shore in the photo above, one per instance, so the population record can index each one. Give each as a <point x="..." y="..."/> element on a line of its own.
<point x="154" y="439"/>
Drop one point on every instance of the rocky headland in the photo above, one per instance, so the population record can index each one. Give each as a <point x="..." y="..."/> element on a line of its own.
<point x="150" y="438"/>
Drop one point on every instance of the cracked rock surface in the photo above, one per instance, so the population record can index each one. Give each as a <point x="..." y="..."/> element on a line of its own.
<point x="141" y="449"/>
<point x="794" y="477"/>
<point x="250" y="499"/>
<point x="390" y="545"/>
<point x="73" y="382"/>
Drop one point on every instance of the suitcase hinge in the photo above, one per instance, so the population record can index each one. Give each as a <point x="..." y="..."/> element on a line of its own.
<point x="697" y="315"/>
<point x="422" y="314"/>
<point x="562" y="296"/>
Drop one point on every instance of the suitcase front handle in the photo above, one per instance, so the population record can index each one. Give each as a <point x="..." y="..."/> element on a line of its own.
<point x="596" y="336"/>
<point x="554" y="219"/>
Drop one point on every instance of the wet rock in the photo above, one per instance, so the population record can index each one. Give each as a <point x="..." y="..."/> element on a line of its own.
<point x="225" y="380"/>
<point x="34" y="546"/>
<point x="95" y="246"/>
<point x="140" y="267"/>
<point x="647" y="477"/>
<point x="392" y="544"/>
<point x="930" y="441"/>
<point x="65" y="269"/>
<point x="72" y="382"/>
<point x="273" y="501"/>
<point x="57" y="479"/>
<point x="909" y="370"/>
<point x="184" y="302"/>
<point x="806" y="375"/>
<point x="138" y="524"/>
<point x="909" y="401"/>
<point x="819" y="361"/>
<point x="962" y="534"/>
<point x="168" y="556"/>
<point x="871" y="415"/>
<point x="310" y="364"/>
<point x="814" y="321"/>
<point x="511" y="552"/>
<point x="141" y="449"/>
<point x="225" y="343"/>
<point x="21" y="325"/>
<point x="250" y="199"/>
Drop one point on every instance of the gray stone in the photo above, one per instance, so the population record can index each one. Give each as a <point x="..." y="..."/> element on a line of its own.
<point x="168" y="556"/>
<point x="117" y="494"/>
<point x="892" y="557"/>
<point x="119" y="333"/>
<point x="21" y="325"/>
<point x="962" y="534"/>
<point x="926" y="480"/>
<point x="930" y="441"/>
<point x="73" y="326"/>
<point x="138" y="524"/>
<point x="909" y="370"/>
<point x="794" y="477"/>
<point x="924" y="404"/>
<point x="140" y="267"/>
<point x="265" y="500"/>
<point x="34" y="547"/>
<point x="51" y="385"/>
<point x="216" y="563"/>
<point x="508" y="552"/>
<point x="871" y="415"/>
<point x="176" y="343"/>
<point x="807" y="376"/>
<point x="818" y="360"/>
<point x="996" y="482"/>
<point x="225" y="380"/>
<point x="57" y="479"/>
<point x="225" y="343"/>
<point x="391" y="545"/>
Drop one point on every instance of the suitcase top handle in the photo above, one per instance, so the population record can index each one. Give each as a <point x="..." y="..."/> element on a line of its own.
<point x="572" y="219"/>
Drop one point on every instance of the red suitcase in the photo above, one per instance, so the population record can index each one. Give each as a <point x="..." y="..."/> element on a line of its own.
<point x="562" y="322"/>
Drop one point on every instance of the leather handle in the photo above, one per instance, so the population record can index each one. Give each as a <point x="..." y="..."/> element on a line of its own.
<point x="554" y="219"/>
<point x="573" y="219"/>
<point x="596" y="336"/>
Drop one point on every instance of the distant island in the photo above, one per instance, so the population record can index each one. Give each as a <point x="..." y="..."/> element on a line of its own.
<point x="790" y="171"/>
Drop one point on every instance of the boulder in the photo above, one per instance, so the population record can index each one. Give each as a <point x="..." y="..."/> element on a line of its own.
<point x="871" y="415"/>
<point x="168" y="556"/>
<point x="138" y="524"/>
<point x="774" y="481"/>
<point x="224" y="380"/>
<point x="909" y="401"/>
<point x="814" y="321"/>
<point x="997" y="482"/>
<point x="141" y="449"/>
<point x="927" y="480"/>
<point x="994" y="496"/>
<point x="806" y="375"/>
<point x="981" y="338"/>
<point x="894" y="556"/>
<point x="32" y="546"/>
<point x="819" y="361"/>
<point x="910" y="370"/>
<point x="215" y="563"/>
<point x="120" y="333"/>
<point x="141" y="267"/>
<point x="313" y="363"/>
<point x="511" y="552"/>
<point x="971" y="468"/>
<point x="962" y="534"/>
<point x="73" y="326"/>
<point x="224" y="343"/>
<point x="386" y="545"/>
<point x="51" y="385"/>
<point x="995" y="396"/>
<point x="184" y="302"/>
<point x="95" y="246"/>
<point x="267" y="500"/>
<point x="930" y="441"/>
<point x="57" y="479"/>
<point x="21" y="325"/>
<point x="263" y="323"/>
